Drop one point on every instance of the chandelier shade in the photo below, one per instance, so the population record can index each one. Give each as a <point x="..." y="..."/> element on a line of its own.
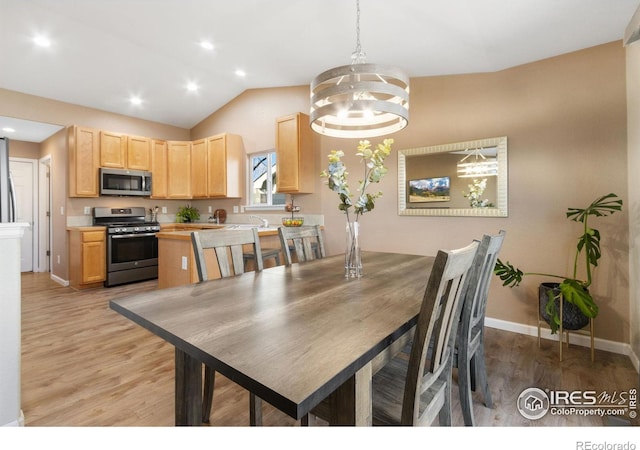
<point x="360" y="100"/>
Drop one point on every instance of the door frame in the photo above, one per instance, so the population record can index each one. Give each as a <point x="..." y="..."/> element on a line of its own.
<point x="34" y="206"/>
<point x="45" y="201"/>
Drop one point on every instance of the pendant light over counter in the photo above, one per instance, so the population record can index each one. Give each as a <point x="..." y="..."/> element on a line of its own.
<point x="359" y="100"/>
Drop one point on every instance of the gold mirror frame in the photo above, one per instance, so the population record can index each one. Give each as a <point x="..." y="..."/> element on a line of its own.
<point x="501" y="208"/>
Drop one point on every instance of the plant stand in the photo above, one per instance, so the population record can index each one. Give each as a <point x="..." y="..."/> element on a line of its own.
<point x="590" y="332"/>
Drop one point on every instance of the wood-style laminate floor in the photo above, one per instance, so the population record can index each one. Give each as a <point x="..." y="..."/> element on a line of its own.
<point x="85" y="365"/>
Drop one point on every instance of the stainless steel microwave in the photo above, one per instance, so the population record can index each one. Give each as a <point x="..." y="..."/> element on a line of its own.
<point x="125" y="182"/>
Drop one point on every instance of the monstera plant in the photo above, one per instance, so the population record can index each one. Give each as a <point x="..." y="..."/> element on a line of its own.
<point x="573" y="289"/>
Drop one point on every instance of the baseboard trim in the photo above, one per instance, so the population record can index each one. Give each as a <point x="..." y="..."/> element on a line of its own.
<point x="577" y="339"/>
<point x="59" y="280"/>
<point x="19" y="422"/>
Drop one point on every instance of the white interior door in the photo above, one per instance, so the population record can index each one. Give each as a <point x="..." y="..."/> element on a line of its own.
<point x="43" y="242"/>
<point x="22" y="173"/>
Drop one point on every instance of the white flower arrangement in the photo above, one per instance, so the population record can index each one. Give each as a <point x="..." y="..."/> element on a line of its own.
<point x="475" y="194"/>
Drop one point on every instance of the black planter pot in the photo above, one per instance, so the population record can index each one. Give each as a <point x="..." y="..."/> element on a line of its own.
<point x="572" y="317"/>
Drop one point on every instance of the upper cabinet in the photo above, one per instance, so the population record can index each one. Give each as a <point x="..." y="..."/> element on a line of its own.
<point x="159" y="168"/>
<point x="199" y="168"/>
<point x="138" y="153"/>
<point x="113" y="150"/>
<point x="84" y="161"/>
<point x="212" y="167"/>
<point x="295" y="158"/>
<point x="120" y="151"/>
<point x="178" y="169"/>
<point x="226" y="166"/>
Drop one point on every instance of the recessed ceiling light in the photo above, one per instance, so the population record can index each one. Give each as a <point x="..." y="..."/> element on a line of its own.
<point x="206" y="45"/>
<point x="241" y="73"/>
<point x="192" y="87"/>
<point x="8" y="130"/>
<point x="42" y="41"/>
<point x="135" y="100"/>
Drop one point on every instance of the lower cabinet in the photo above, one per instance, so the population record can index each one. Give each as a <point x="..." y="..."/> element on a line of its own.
<point x="87" y="257"/>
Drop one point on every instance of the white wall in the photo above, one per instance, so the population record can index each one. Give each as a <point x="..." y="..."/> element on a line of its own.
<point x="10" y="235"/>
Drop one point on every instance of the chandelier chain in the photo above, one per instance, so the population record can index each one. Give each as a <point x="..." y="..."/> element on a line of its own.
<point x="358" y="56"/>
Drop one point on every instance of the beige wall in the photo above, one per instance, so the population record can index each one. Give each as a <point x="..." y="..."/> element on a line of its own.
<point x="21" y="149"/>
<point x="565" y="119"/>
<point x="633" y="123"/>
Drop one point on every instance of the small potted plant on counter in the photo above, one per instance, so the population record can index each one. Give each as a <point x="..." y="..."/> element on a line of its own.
<point x="575" y="291"/>
<point x="187" y="214"/>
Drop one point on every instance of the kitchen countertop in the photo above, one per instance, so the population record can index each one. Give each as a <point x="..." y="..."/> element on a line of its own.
<point x="87" y="228"/>
<point x="168" y="231"/>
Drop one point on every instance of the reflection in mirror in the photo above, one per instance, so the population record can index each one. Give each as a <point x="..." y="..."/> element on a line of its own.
<point x="459" y="179"/>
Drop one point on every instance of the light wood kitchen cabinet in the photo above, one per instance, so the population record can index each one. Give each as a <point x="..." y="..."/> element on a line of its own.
<point x="296" y="173"/>
<point x="87" y="257"/>
<point x="138" y="153"/>
<point x="178" y="169"/>
<point x="159" y="169"/>
<point x="84" y="161"/>
<point x="199" y="168"/>
<point x="113" y="150"/>
<point x="226" y="166"/>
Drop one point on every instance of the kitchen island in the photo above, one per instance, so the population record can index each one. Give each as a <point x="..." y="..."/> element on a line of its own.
<point x="176" y="262"/>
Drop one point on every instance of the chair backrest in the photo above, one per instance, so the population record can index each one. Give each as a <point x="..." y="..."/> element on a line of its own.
<point x="475" y="300"/>
<point x="437" y="323"/>
<point x="228" y="249"/>
<point x="306" y="242"/>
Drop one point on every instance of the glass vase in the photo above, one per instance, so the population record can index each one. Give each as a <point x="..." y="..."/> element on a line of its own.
<point x="352" y="260"/>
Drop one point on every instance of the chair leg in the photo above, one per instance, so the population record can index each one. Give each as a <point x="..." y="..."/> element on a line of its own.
<point x="255" y="410"/>
<point x="481" y="373"/>
<point x="464" y="386"/>
<point x="472" y="373"/>
<point x="207" y="397"/>
<point x="444" y="416"/>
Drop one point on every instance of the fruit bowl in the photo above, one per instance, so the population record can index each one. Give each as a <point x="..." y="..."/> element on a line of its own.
<point x="292" y="221"/>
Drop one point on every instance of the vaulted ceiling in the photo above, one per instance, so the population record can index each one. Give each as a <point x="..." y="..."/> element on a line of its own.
<point x="103" y="52"/>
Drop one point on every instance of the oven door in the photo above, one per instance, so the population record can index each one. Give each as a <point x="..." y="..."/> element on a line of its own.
<point x="131" y="251"/>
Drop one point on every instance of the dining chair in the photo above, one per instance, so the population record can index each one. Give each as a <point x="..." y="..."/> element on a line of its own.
<point x="267" y="253"/>
<point x="469" y="352"/>
<point x="228" y="248"/>
<point x="400" y="396"/>
<point x="416" y="390"/>
<point x="307" y="242"/>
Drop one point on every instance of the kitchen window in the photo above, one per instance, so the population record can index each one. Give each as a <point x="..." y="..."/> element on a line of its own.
<point x="262" y="180"/>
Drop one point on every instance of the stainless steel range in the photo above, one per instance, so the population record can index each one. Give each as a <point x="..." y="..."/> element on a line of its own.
<point x="132" y="246"/>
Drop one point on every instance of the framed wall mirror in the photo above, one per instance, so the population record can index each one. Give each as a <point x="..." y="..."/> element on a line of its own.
<point x="459" y="179"/>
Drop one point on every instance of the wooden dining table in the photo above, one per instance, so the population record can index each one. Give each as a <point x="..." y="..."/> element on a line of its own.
<point x="293" y="335"/>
